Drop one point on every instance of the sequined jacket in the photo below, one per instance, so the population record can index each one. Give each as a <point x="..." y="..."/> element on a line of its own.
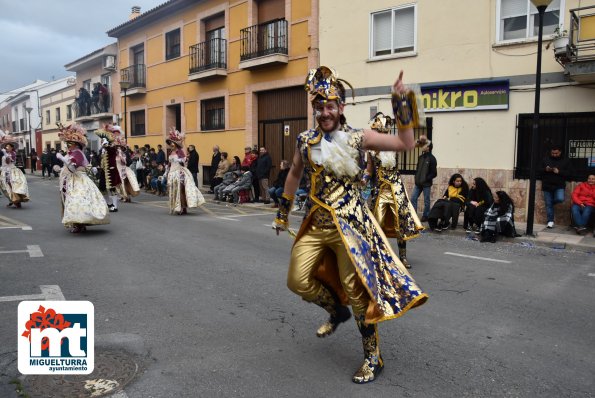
<point x="391" y="288"/>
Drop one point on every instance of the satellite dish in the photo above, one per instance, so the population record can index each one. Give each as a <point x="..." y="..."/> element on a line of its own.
<point x="71" y="81"/>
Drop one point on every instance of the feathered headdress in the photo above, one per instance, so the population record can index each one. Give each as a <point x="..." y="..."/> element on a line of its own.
<point x="323" y="83"/>
<point x="381" y="123"/>
<point x="72" y="133"/>
<point x="176" y="137"/>
<point x="119" y="139"/>
<point x="6" y="138"/>
<point x="106" y="132"/>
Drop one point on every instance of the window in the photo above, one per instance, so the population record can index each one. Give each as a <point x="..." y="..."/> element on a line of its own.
<point x="22" y="124"/>
<point x="172" y="44"/>
<point x="137" y="123"/>
<point x="519" y="19"/>
<point x="393" y="31"/>
<point x="106" y="80"/>
<point x="87" y="85"/>
<point x="57" y="114"/>
<point x="68" y="112"/>
<point x="47" y="117"/>
<point x="212" y="113"/>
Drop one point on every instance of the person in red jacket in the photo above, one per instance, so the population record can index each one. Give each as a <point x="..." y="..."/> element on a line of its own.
<point x="583" y="204"/>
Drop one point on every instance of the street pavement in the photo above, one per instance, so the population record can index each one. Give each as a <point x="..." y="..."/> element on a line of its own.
<point x="200" y="302"/>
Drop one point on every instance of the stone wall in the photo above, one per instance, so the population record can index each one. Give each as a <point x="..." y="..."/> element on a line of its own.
<point x="500" y="180"/>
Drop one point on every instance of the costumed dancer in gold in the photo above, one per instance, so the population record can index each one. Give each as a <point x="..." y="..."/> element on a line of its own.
<point x="183" y="193"/>
<point x="13" y="183"/>
<point x="129" y="187"/>
<point x="340" y="255"/>
<point x="82" y="202"/>
<point x="390" y="202"/>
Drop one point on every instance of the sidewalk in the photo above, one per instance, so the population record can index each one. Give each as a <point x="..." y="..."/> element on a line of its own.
<point x="559" y="237"/>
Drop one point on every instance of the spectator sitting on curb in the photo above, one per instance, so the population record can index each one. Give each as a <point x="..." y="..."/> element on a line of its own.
<point x="241" y="184"/>
<point x="583" y="204"/>
<point x="228" y="179"/>
<point x="499" y="219"/>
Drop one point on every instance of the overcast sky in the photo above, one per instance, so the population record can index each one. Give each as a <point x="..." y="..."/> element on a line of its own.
<point x="38" y="37"/>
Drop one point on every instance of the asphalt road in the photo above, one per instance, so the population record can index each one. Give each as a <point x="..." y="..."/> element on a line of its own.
<point x="202" y="301"/>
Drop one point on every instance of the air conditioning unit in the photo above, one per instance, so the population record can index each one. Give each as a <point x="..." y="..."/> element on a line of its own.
<point x="109" y="62"/>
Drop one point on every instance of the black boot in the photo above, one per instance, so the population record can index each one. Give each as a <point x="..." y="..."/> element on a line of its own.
<point x="403" y="254"/>
<point x="339" y="313"/>
<point x="373" y="363"/>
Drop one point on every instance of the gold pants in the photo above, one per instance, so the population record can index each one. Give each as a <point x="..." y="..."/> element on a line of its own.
<point x="385" y="205"/>
<point x="307" y="255"/>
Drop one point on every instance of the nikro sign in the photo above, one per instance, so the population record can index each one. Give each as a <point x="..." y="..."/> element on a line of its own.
<point x="477" y="96"/>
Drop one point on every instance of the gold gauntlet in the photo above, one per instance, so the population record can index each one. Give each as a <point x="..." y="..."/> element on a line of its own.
<point x="285" y="205"/>
<point x="405" y="110"/>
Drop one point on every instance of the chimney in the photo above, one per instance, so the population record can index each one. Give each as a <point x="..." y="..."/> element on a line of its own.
<point x="135" y="13"/>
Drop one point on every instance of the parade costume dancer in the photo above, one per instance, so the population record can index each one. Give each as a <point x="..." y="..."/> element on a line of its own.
<point x="183" y="193"/>
<point x="82" y="202"/>
<point x="109" y="175"/>
<point x="390" y="202"/>
<point x="129" y="186"/>
<point x="340" y="254"/>
<point x="13" y="183"/>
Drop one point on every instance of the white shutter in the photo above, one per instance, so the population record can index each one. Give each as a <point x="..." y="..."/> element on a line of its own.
<point x="382" y="31"/>
<point x="404" y="31"/>
<point x="513" y="8"/>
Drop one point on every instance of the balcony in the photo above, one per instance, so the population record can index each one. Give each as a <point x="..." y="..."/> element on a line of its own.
<point x="578" y="56"/>
<point x="91" y="110"/>
<point x="264" y="44"/>
<point x="208" y="59"/>
<point x="137" y="76"/>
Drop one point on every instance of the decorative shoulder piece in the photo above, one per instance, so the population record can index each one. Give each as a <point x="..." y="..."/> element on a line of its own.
<point x="285" y="205"/>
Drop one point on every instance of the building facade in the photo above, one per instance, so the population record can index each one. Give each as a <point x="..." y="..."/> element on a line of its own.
<point x="225" y="73"/>
<point x="25" y="113"/>
<point x="475" y="63"/>
<point x="97" y="90"/>
<point x="56" y="107"/>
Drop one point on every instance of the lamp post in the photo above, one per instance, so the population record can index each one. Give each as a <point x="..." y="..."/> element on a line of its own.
<point x="541" y="5"/>
<point x="125" y="85"/>
<point x="29" y="109"/>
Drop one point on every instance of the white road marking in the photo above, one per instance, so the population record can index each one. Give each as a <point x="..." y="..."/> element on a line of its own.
<point x="48" y="292"/>
<point x="478" y="258"/>
<point x="227" y="218"/>
<point x="251" y="215"/>
<point x="33" y="250"/>
<point x="591" y="274"/>
<point x="27" y="228"/>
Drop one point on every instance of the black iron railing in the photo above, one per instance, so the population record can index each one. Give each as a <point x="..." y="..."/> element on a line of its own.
<point x="581" y="45"/>
<point x="265" y="39"/>
<point x="136" y="75"/>
<point x="211" y="54"/>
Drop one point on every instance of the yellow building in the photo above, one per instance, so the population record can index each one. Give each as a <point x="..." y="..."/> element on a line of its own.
<point x="475" y="62"/>
<point x="225" y="73"/>
<point x="56" y="107"/>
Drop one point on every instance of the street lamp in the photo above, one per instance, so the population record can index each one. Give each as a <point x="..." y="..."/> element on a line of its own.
<point x="125" y="85"/>
<point x="541" y="5"/>
<point x="29" y="109"/>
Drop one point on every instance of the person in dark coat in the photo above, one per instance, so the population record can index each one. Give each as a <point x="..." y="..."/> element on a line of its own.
<point x="214" y="164"/>
<point x="160" y="155"/>
<point x="193" y="163"/>
<point x="264" y="164"/>
<point x="555" y="169"/>
<point x="424" y="175"/>
<point x="276" y="190"/>
<point x="479" y="200"/>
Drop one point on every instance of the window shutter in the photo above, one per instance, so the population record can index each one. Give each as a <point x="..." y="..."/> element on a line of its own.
<point x="404" y="28"/>
<point x="513" y="8"/>
<point x="382" y="31"/>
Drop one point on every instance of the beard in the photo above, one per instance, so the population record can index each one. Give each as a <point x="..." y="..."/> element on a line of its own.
<point x="328" y="124"/>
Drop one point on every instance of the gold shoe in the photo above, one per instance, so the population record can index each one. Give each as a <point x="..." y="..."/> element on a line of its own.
<point x="329" y="327"/>
<point x="373" y="363"/>
<point x="368" y="372"/>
